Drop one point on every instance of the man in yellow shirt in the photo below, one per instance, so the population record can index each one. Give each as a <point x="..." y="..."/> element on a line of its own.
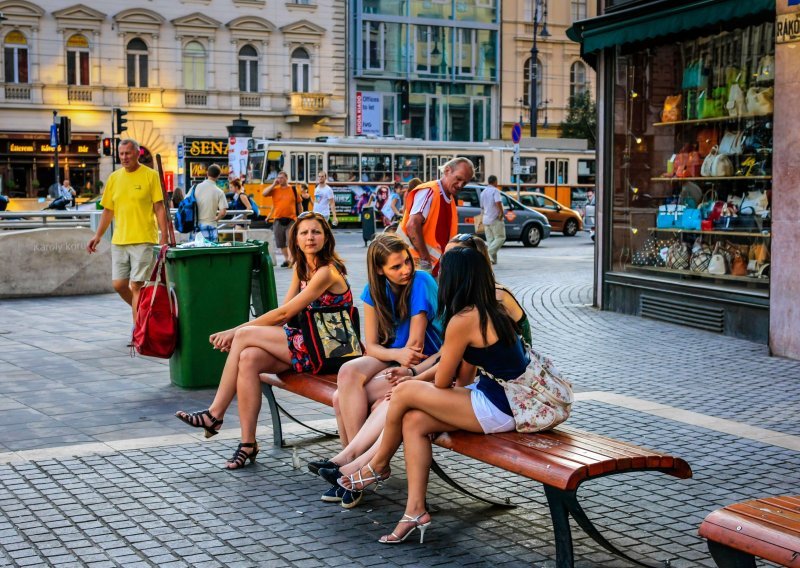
<point x="133" y="199"/>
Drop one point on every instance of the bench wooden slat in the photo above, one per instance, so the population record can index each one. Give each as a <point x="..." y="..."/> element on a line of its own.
<point x="319" y="388"/>
<point x="768" y="528"/>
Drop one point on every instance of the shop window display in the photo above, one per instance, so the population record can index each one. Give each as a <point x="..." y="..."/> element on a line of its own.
<point x="693" y="159"/>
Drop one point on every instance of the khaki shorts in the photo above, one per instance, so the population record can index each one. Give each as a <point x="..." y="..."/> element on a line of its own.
<point x="132" y="262"/>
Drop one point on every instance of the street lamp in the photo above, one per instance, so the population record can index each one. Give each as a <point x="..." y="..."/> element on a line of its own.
<point x="539" y="15"/>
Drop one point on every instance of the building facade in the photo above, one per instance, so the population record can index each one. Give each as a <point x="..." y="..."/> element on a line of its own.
<point x="696" y="164"/>
<point x="182" y="70"/>
<point x="424" y="69"/>
<point x="562" y="72"/>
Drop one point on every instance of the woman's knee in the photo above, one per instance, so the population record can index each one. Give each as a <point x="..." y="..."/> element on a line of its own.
<point x="252" y="359"/>
<point x="336" y="401"/>
<point x="415" y="423"/>
<point x="350" y="375"/>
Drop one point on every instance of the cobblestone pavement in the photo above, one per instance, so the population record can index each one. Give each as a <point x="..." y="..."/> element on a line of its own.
<point x="94" y="470"/>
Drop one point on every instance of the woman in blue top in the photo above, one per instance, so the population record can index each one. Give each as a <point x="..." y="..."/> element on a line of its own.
<point x="478" y="333"/>
<point x="400" y="328"/>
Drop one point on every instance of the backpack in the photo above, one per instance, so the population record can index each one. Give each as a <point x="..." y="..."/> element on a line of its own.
<point x="186" y="215"/>
<point x="254" y="205"/>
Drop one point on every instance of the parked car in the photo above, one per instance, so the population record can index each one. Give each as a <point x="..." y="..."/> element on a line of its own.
<point x="522" y="224"/>
<point x="588" y="219"/>
<point x="561" y="218"/>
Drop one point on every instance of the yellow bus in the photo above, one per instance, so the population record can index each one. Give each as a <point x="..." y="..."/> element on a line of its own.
<point x="561" y="168"/>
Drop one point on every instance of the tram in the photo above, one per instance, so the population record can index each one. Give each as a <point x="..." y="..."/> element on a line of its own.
<point x="561" y="168"/>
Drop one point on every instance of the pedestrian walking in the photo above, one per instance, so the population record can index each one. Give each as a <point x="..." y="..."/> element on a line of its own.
<point x="324" y="201"/>
<point x="285" y="203"/>
<point x="430" y="218"/>
<point x="211" y="204"/>
<point x="134" y="201"/>
<point x="493" y="217"/>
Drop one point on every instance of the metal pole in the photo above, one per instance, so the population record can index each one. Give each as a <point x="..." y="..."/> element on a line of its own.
<point x="516" y="176"/>
<point x="534" y="73"/>
<point x="113" y="143"/>
<point x="55" y="123"/>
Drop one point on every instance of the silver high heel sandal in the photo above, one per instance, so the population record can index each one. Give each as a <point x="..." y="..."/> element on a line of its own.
<point x="417" y="525"/>
<point x="358" y="483"/>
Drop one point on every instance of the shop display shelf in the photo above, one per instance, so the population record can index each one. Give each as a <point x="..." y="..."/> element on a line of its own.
<point x="762" y="235"/>
<point x="731" y="277"/>
<point x="710" y="178"/>
<point x="715" y="119"/>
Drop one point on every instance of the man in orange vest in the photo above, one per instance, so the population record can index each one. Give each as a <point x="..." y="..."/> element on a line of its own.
<point x="430" y="219"/>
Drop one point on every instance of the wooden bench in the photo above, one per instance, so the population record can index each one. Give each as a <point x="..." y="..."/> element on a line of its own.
<point x="768" y="528"/>
<point x="560" y="460"/>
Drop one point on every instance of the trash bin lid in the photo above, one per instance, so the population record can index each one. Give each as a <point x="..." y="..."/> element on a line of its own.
<point x="233" y="248"/>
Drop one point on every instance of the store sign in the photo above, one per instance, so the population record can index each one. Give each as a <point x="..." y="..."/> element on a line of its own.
<point x="787" y="28"/>
<point x="369" y="113"/>
<point x="35" y="147"/>
<point x="207" y="147"/>
<point x="198" y="169"/>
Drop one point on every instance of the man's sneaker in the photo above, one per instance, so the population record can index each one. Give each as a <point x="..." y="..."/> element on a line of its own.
<point x="334" y="494"/>
<point x="351" y="498"/>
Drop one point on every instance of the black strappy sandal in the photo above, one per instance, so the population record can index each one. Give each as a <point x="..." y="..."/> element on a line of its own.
<point x="196" y="420"/>
<point x="240" y="457"/>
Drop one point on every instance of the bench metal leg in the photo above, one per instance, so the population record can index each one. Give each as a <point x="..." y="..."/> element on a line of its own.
<point x="563" y="504"/>
<point x="277" y="429"/>
<point x="726" y="557"/>
<point x="447" y="479"/>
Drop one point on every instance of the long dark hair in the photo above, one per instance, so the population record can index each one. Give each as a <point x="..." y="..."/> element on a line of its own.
<point x="379" y="250"/>
<point x="325" y="256"/>
<point x="466" y="280"/>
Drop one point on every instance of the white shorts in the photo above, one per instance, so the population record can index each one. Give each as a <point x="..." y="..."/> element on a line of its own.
<point x="491" y="419"/>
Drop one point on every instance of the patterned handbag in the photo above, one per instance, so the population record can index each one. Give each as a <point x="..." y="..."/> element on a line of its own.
<point x="653" y="253"/>
<point x="540" y="398"/>
<point x="678" y="255"/>
<point x="701" y="256"/>
<point x="331" y="335"/>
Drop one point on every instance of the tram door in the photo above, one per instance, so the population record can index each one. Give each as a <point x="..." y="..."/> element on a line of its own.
<point x="432" y="165"/>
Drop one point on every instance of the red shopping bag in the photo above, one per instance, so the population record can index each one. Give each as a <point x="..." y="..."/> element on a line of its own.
<point x="155" y="333"/>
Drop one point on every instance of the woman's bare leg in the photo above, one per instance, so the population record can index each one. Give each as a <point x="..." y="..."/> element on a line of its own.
<point x="357" y="389"/>
<point x="365" y="440"/>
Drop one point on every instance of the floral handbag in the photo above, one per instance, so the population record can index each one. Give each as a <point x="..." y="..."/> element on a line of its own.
<point x="540" y="398"/>
<point x="331" y="336"/>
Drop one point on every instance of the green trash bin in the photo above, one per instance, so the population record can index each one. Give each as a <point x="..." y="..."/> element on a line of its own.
<point x="263" y="289"/>
<point x="213" y="286"/>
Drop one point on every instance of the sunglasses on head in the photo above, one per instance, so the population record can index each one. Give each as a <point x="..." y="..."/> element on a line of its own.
<point x="463" y="237"/>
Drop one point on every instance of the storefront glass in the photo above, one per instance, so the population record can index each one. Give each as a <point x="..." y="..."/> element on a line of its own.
<point x="692" y="169"/>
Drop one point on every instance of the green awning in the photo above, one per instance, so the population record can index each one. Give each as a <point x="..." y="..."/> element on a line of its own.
<point x="659" y="19"/>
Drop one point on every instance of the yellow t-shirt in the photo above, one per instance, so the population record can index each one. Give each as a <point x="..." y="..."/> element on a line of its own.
<point x="131" y="197"/>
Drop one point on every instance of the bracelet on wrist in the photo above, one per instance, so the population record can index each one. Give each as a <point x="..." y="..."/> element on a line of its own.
<point x="413" y="371"/>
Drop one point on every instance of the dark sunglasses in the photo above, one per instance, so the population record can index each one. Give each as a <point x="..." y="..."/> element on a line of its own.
<point x="462" y="238"/>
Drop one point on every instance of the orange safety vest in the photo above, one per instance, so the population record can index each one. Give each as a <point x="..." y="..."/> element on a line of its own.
<point x="440" y="225"/>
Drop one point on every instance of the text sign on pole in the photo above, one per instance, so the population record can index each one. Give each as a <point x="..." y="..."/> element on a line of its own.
<point x="516" y="133"/>
<point x="53" y="135"/>
<point x="369" y="113"/>
<point x="181" y="154"/>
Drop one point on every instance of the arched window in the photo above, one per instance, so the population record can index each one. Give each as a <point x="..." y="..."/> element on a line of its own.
<point x="526" y="83"/>
<point x="577" y="79"/>
<point x="15" y="48"/>
<point x="194" y="66"/>
<point x="248" y="69"/>
<point x="137" y="63"/>
<point x="78" y="60"/>
<point x="301" y="63"/>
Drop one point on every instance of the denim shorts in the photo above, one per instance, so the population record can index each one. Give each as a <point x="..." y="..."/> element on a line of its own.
<point x="491" y="419"/>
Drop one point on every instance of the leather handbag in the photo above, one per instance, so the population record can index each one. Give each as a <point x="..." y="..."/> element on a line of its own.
<point x="707" y="138"/>
<point x="540" y="398"/>
<point x="708" y="106"/>
<point x="331" y="335"/>
<point x="736" y="105"/>
<point x="757" y="200"/>
<point x="708" y="162"/>
<point x="760" y="101"/>
<point x="690" y="219"/>
<point x="731" y="142"/>
<point x="757" y="138"/>
<point x="701" y="256"/>
<point x="672" y="108"/>
<point x="669" y="216"/>
<point x="718" y="263"/>
<point x="738" y="264"/>
<point x="759" y="253"/>
<point x="721" y="166"/>
<point x="678" y="255"/>
<point x="711" y="207"/>
<point x="477" y="221"/>
<point x="766" y="70"/>
<point x="155" y="333"/>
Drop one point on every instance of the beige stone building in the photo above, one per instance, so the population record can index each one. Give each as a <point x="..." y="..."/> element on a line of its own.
<point x="561" y="70"/>
<point x="182" y="70"/>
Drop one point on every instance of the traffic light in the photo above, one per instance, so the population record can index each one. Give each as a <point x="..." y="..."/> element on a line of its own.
<point x="405" y="109"/>
<point x="64" y="132"/>
<point x="121" y="121"/>
<point x="108" y="146"/>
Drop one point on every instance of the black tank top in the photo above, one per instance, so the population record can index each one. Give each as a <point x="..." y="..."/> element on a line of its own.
<point x="506" y="362"/>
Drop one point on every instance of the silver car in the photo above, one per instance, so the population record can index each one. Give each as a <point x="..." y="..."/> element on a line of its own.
<point x="588" y="219"/>
<point x="522" y="224"/>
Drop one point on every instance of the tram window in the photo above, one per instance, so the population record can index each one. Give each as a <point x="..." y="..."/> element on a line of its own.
<point x="407" y="167"/>
<point x="376" y="167"/>
<point x="586" y="171"/>
<point x="343" y="167"/>
<point x="550" y="171"/>
<point x="274" y="164"/>
<point x="255" y="166"/>
<point x="297" y="170"/>
<point x="314" y="166"/>
<point x="478" y="162"/>
<point x="563" y="172"/>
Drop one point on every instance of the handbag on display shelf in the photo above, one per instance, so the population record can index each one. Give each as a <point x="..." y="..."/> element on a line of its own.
<point x="690" y="219"/>
<point x="672" y="108"/>
<point x="738" y="264"/>
<point x="759" y="253"/>
<point x="331" y="335"/>
<point x="722" y="166"/>
<point x="757" y="138"/>
<point x="731" y="142"/>
<point x="690" y="195"/>
<point x="759" y="101"/>
<point x="701" y="256"/>
<point x="708" y="162"/>
<point x="757" y="200"/>
<point x="669" y="216"/>
<point x="711" y="207"/>
<point x="766" y="70"/>
<point x="707" y="138"/>
<point x="736" y="104"/>
<point x="678" y="255"/>
<point x="709" y="106"/>
<point x="654" y="252"/>
<point x="718" y="263"/>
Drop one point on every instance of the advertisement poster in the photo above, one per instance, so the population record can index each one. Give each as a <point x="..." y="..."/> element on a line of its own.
<point x="369" y="113"/>
<point x="237" y="156"/>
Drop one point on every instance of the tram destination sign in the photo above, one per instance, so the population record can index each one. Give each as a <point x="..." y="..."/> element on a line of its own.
<point x="787" y="28"/>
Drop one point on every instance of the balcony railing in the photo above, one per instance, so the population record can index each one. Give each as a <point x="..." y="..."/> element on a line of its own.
<point x="196" y="99"/>
<point x="18" y="93"/>
<point x="139" y="96"/>
<point x="308" y="103"/>
<point x="79" y="94"/>
<point x="249" y="101"/>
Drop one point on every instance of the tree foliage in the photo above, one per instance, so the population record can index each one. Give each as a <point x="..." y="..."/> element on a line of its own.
<point x="581" y="121"/>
